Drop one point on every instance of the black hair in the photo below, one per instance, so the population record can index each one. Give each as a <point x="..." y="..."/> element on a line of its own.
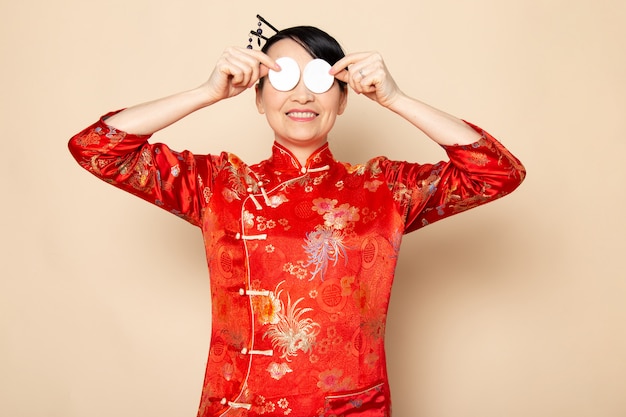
<point x="315" y="41"/>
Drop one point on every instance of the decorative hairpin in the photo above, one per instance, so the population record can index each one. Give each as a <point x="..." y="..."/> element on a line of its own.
<point x="259" y="31"/>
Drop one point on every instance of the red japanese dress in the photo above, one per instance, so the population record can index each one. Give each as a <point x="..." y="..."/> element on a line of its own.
<point x="301" y="258"/>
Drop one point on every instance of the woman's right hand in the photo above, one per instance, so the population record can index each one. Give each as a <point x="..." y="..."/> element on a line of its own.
<point x="236" y="70"/>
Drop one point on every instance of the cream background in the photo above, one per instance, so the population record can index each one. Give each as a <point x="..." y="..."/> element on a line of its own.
<point x="515" y="309"/>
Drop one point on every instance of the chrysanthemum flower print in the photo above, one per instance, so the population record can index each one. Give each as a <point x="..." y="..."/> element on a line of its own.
<point x="323" y="246"/>
<point x="291" y="332"/>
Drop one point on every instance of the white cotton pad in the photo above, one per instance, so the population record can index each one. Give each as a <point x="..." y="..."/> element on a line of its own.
<point x="288" y="76"/>
<point x="316" y="76"/>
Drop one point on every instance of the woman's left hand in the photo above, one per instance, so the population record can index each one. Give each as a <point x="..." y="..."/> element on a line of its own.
<point x="367" y="74"/>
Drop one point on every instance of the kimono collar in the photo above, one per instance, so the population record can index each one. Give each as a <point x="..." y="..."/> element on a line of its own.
<point x="283" y="160"/>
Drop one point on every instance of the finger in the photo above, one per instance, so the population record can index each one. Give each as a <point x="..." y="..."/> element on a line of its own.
<point x="243" y="59"/>
<point x="261" y="58"/>
<point x="339" y="66"/>
<point x="269" y="63"/>
<point x="347" y="61"/>
<point x="247" y="70"/>
<point x="235" y="70"/>
<point x="262" y="64"/>
<point x="239" y="72"/>
<point x="357" y="78"/>
<point x="263" y="70"/>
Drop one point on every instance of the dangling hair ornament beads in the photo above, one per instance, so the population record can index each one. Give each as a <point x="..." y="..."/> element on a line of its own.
<point x="259" y="32"/>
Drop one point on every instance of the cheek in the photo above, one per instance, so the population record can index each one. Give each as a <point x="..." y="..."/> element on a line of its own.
<point x="334" y="105"/>
<point x="271" y="100"/>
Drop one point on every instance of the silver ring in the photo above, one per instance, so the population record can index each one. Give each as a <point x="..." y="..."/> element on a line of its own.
<point x="361" y="73"/>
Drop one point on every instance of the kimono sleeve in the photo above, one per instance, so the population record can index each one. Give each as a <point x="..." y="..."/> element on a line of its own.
<point x="169" y="179"/>
<point x="474" y="175"/>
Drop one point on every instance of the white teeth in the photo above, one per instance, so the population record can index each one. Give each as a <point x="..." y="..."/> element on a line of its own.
<point x="301" y="114"/>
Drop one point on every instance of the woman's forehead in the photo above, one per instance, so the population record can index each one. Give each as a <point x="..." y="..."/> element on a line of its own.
<point x="290" y="48"/>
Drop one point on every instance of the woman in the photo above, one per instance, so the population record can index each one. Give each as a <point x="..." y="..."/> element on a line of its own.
<point x="301" y="248"/>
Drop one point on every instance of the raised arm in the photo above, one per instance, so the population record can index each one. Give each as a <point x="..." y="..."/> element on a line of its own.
<point x="236" y="70"/>
<point x="367" y="74"/>
<point x="116" y="147"/>
<point x="479" y="168"/>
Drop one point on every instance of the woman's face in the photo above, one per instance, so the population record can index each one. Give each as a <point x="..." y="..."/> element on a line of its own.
<point x="300" y="118"/>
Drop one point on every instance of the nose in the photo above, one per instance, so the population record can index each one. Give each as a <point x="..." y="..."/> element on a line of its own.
<point x="301" y="94"/>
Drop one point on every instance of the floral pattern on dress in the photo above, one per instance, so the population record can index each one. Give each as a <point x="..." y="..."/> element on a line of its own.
<point x="267" y="308"/>
<point x="278" y="370"/>
<point x="292" y="332"/>
<point x="323" y="246"/>
<point x="325" y="236"/>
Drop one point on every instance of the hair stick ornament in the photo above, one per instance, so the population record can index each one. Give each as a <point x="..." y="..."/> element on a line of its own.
<point x="259" y="31"/>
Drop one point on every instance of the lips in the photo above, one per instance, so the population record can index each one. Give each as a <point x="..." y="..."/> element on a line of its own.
<point x="301" y="114"/>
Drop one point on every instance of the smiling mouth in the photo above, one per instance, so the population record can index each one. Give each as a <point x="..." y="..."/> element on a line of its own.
<point x="302" y="115"/>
